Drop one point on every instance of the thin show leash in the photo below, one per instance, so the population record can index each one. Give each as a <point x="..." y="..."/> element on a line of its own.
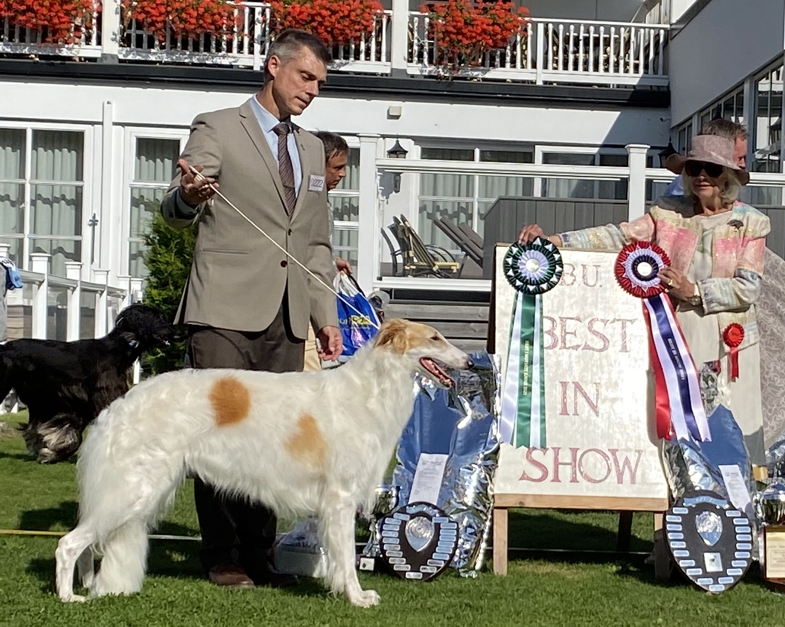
<point x="199" y="176"/>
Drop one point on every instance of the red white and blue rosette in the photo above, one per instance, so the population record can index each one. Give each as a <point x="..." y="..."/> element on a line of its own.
<point x="532" y="269"/>
<point x="637" y="268"/>
<point x="679" y="406"/>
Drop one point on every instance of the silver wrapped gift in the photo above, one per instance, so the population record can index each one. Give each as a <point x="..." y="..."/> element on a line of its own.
<point x="461" y="423"/>
<point x="692" y="466"/>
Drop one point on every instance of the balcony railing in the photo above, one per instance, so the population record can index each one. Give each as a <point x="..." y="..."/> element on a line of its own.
<point x="548" y="51"/>
<point x="245" y="47"/>
<point x="564" y="51"/>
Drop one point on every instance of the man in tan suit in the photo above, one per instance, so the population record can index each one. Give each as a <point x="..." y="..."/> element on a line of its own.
<point x="248" y="304"/>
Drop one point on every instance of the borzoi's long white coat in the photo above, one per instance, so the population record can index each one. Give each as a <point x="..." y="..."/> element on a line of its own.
<point x="302" y="443"/>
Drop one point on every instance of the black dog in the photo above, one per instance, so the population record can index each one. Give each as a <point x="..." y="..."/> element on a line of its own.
<point x="65" y="385"/>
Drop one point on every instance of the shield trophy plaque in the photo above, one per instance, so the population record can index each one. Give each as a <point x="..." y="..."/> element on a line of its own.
<point x="710" y="540"/>
<point x="418" y="541"/>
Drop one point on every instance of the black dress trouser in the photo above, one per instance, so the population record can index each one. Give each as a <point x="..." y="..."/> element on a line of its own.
<point x="234" y="529"/>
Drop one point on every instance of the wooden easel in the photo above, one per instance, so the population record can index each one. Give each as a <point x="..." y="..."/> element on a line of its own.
<point x="624" y="505"/>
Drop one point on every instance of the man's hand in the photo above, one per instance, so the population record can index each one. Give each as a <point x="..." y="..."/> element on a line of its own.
<point x="330" y="344"/>
<point x="194" y="192"/>
<point x="343" y="265"/>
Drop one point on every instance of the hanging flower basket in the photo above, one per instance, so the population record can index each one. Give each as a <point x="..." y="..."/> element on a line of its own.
<point x="334" y="22"/>
<point x="184" y="17"/>
<point x="463" y="31"/>
<point x="57" y="21"/>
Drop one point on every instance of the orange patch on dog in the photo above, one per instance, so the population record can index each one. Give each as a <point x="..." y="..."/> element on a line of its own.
<point x="230" y="400"/>
<point x="307" y="443"/>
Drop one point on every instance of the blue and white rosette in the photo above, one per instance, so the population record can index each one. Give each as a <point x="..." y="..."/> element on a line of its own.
<point x="531" y="269"/>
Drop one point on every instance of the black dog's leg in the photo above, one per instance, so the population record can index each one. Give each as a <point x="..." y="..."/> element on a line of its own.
<point x="54" y="440"/>
<point x="5" y="379"/>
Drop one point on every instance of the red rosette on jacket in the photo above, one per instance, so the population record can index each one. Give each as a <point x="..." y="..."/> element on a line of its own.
<point x="637" y="267"/>
<point x="733" y="336"/>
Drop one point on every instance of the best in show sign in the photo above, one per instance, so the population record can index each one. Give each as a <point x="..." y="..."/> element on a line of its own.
<point x="601" y="441"/>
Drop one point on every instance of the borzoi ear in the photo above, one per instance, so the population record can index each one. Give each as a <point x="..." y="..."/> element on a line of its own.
<point x="393" y="334"/>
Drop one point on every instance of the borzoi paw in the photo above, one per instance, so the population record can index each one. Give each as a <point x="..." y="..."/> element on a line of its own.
<point x="366" y="598"/>
<point x="74" y="598"/>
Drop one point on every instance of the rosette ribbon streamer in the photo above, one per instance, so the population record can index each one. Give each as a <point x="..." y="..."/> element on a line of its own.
<point x="531" y="269"/>
<point x="679" y="407"/>
<point x="733" y="336"/>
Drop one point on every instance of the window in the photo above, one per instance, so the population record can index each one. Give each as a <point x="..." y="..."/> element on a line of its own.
<point x="154" y="164"/>
<point x="767" y="131"/>
<point x="465" y="198"/>
<point x="345" y="203"/>
<point x="585" y="188"/>
<point x="683" y="135"/>
<point x="41" y="194"/>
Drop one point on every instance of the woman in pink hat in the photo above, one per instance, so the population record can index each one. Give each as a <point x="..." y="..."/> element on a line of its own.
<point x="716" y="246"/>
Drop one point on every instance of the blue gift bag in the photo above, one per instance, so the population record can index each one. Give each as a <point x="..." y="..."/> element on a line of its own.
<point x="357" y="327"/>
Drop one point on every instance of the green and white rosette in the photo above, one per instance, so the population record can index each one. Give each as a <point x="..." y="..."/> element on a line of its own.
<point x="532" y="269"/>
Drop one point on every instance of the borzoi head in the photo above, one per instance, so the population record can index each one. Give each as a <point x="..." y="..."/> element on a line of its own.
<point x="144" y="328"/>
<point x="424" y="347"/>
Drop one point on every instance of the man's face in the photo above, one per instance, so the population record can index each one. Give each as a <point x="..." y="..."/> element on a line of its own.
<point x="296" y="82"/>
<point x="740" y="153"/>
<point x="335" y="170"/>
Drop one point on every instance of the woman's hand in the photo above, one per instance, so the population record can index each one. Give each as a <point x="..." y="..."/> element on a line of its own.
<point x="530" y="232"/>
<point x="678" y="285"/>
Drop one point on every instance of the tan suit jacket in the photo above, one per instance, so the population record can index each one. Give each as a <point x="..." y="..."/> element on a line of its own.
<point x="238" y="277"/>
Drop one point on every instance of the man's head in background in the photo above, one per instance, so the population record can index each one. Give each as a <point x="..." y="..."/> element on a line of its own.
<point x="733" y="131"/>
<point x="336" y="155"/>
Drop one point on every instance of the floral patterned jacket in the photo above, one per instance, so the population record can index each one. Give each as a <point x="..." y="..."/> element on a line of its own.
<point x="737" y="254"/>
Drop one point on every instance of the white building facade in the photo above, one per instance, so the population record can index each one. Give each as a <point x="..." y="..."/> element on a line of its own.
<point x="576" y="110"/>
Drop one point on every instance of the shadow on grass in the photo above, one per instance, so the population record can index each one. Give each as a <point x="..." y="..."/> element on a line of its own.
<point x="25" y="457"/>
<point x="579" y="537"/>
<point x="45" y="519"/>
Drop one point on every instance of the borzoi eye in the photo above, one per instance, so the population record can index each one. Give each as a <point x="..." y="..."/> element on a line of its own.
<point x="436" y="338"/>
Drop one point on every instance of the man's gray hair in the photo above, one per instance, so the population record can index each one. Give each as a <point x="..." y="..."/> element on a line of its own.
<point x="725" y="128"/>
<point x="290" y="42"/>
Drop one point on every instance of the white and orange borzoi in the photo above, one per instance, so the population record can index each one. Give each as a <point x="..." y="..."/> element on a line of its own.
<point x="302" y="443"/>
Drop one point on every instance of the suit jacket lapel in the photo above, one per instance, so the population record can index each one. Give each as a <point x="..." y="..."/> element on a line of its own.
<point x="304" y="163"/>
<point x="251" y="126"/>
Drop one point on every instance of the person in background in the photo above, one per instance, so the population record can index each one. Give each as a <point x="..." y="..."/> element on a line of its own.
<point x="717" y="247"/>
<point x="336" y="155"/>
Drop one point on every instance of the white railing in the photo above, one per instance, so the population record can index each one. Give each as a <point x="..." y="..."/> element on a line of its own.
<point x="547" y="51"/>
<point x="244" y="44"/>
<point x="26" y="41"/>
<point x="65" y="308"/>
<point x="639" y="193"/>
<point x="563" y="51"/>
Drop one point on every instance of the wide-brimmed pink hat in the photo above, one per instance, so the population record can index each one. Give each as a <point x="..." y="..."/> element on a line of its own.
<point x="709" y="149"/>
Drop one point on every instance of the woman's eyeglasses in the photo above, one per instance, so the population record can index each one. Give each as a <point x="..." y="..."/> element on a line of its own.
<point x="694" y="168"/>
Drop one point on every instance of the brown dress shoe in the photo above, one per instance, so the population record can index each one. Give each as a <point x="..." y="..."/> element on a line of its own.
<point x="230" y="575"/>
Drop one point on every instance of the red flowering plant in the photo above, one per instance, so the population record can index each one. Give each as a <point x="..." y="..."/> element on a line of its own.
<point x="58" y="21"/>
<point x="464" y="30"/>
<point x="332" y="21"/>
<point x="183" y="17"/>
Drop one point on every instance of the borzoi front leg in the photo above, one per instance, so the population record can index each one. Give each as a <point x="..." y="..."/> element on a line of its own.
<point x="337" y="530"/>
<point x="69" y="550"/>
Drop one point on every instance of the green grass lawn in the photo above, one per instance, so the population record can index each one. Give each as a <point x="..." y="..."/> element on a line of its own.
<point x="553" y="589"/>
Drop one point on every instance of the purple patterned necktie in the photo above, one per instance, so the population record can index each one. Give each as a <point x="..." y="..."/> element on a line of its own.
<point x="285" y="166"/>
